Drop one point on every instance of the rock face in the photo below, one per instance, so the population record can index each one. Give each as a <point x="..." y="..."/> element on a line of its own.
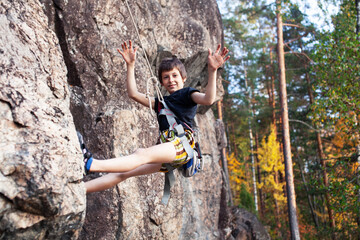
<point x="245" y="225"/>
<point x="41" y="189"/>
<point x="60" y="72"/>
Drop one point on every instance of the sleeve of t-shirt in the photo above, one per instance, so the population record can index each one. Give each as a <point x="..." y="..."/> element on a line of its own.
<point x="156" y="106"/>
<point x="188" y="93"/>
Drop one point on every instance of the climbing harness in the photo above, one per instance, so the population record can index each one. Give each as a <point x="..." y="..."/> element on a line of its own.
<point x="194" y="160"/>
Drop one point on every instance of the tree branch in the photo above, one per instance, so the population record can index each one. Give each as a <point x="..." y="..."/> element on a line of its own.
<point x="293" y="25"/>
<point x="308" y="125"/>
<point x="296" y="53"/>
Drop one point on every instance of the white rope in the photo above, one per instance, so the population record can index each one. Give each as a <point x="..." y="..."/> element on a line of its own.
<point x="137" y="32"/>
<point x="152" y="78"/>
<point x="157" y="89"/>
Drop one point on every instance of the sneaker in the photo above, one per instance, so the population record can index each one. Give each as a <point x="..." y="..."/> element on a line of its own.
<point x="86" y="153"/>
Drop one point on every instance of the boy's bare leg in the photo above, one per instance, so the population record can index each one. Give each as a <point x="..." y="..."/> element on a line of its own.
<point x="162" y="153"/>
<point x="111" y="179"/>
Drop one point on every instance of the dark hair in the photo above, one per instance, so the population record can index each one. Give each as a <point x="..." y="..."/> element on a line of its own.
<point x="168" y="64"/>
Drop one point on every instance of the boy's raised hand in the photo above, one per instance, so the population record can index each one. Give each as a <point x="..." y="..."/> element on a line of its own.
<point x="128" y="52"/>
<point x="217" y="59"/>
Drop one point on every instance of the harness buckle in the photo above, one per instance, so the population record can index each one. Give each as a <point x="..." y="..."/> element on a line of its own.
<point x="180" y="132"/>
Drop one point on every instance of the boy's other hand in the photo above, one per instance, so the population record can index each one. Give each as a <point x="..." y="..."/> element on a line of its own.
<point x="217" y="59"/>
<point x="128" y="52"/>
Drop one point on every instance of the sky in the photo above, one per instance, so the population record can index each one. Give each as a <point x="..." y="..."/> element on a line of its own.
<point x="310" y="8"/>
<point x="316" y="16"/>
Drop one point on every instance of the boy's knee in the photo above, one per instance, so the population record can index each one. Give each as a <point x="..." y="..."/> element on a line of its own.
<point x="118" y="176"/>
<point x="115" y="178"/>
<point x="140" y="152"/>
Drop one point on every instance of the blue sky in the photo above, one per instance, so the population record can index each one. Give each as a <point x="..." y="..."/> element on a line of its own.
<point x="310" y="7"/>
<point x="316" y="15"/>
<point x="320" y="18"/>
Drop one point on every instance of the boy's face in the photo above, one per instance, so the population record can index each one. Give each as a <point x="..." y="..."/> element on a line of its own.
<point x="172" y="80"/>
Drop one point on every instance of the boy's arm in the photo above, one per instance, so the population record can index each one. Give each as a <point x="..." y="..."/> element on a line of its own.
<point x="214" y="62"/>
<point x="129" y="55"/>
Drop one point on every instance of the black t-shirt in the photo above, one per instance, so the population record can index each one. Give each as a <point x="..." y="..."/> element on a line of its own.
<point x="181" y="104"/>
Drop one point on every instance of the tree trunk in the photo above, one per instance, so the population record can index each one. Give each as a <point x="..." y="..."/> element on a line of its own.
<point x="326" y="181"/>
<point x="272" y="89"/>
<point x="251" y="143"/>
<point x="253" y="166"/>
<point x="294" y="226"/>
<point x="358" y="182"/>
<point x="224" y="159"/>
<point x="357" y="4"/>
<point x="313" y="214"/>
<point x="261" y="194"/>
<point x="277" y="209"/>
<point x="322" y="161"/>
<point x="232" y="140"/>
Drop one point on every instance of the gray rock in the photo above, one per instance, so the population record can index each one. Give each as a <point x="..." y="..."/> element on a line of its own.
<point x="60" y="72"/>
<point x="246" y="226"/>
<point x="41" y="192"/>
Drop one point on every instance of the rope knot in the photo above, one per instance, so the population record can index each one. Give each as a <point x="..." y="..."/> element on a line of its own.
<point x="155" y="82"/>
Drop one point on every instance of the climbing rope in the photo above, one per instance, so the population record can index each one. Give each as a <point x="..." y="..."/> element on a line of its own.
<point x="152" y="79"/>
<point x="157" y="89"/>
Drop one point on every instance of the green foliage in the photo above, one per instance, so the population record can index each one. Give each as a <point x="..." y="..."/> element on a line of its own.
<point x="344" y="192"/>
<point x="324" y="63"/>
<point x="337" y="71"/>
<point x="246" y="199"/>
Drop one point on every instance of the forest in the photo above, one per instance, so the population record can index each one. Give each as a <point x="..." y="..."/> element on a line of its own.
<point x="291" y="113"/>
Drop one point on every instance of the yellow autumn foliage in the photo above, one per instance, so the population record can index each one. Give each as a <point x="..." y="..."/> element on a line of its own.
<point x="270" y="160"/>
<point x="341" y="142"/>
<point x="237" y="177"/>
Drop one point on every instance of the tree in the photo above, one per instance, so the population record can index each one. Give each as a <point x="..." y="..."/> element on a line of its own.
<point x="357" y="4"/>
<point x="246" y="48"/>
<point x="270" y="161"/>
<point x="249" y="31"/>
<point x="294" y="227"/>
<point x="336" y="70"/>
<point x="236" y="177"/>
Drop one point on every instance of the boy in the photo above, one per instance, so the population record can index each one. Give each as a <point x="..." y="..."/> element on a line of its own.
<point x="182" y="101"/>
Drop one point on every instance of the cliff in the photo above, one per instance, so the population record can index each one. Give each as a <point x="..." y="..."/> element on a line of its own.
<point x="60" y="72"/>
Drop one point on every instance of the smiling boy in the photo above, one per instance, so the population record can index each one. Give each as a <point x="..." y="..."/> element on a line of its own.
<point x="181" y="101"/>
